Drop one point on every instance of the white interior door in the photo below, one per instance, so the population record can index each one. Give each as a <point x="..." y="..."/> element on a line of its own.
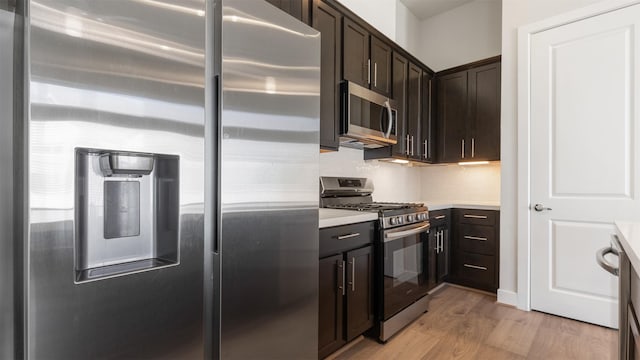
<point x="584" y="159"/>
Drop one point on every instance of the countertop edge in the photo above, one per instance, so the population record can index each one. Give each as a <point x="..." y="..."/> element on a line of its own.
<point x="346" y="219"/>
<point x="623" y="231"/>
<point x="461" y="205"/>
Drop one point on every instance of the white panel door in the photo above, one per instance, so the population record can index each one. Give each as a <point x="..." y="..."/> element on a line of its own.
<point x="584" y="156"/>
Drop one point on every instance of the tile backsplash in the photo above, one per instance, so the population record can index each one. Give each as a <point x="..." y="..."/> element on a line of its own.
<point x="395" y="182"/>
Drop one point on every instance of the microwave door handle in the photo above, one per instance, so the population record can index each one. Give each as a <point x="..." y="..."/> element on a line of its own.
<point x="390" y="113"/>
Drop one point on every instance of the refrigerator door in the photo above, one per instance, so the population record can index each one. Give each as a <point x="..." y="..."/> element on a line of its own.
<point x="124" y="78"/>
<point x="269" y="133"/>
<point x="6" y="184"/>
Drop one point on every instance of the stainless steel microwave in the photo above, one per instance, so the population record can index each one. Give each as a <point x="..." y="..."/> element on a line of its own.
<point x="368" y="119"/>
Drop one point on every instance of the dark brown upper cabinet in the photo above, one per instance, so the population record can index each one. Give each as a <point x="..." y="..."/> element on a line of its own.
<point x="355" y="59"/>
<point x="328" y="21"/>
<point x="427" y="128"/>
<point x="366" y="60"/>
<point x="299" y="9"/>
<point x="414" y="111"/>
<point x="380" y="67"/>
<point x="484" y="106"/>
<point x="399" y="89"/>
<point x="468" y="112"/>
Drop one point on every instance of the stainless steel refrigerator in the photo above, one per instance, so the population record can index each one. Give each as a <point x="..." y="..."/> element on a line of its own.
<point x="159" y="180"/>
<point x="264" y="231"/>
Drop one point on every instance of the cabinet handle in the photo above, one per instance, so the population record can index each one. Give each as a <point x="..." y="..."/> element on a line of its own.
<point x="341" y="267"/>
<point x="407" y="145"/>
<point x="413" y="143"/>
<point x="348" y="236"/>
<point x="441" y="241"/>
<point x="475" y="216"/>
<point x="462" y="148"/>
<point x="375" y="74"/>
<point x="426" y="151"/>
<point x="473" y="147"/>
<point x="439" y="217"/>
<point x="475" y="238"/>
<point x="353" y="274"/>
<point x="476" y="267"/>
<point x="369" y="71"/>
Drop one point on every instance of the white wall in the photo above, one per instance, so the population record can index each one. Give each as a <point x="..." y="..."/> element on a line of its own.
<point x="516" y="13"/>
<point x="381" y="14"/>
<point x="407" y="29"/>
<point x="461" y="35"/>
<point x="392" y="182"/>
<point x="460" y="183"/>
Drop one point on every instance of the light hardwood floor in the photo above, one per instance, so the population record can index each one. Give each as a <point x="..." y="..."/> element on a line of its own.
<point x="464" y="324"/>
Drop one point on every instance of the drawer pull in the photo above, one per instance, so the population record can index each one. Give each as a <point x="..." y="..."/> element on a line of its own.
<point x="348" y="236"/>
<point x="440" y="217"/>
<point x="475" y="216"/>
<point x="476" y="267"/>
<point x="475" y="238"/>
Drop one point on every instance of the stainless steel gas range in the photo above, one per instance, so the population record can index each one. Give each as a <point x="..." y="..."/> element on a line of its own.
<point x="401" y="251"/>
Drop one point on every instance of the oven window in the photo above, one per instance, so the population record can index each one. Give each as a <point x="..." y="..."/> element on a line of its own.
<point x="405" y="277"/>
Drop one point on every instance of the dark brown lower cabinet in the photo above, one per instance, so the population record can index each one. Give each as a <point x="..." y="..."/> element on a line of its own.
<point x="331" y="304"/>
<point x="439" y="247"/>
<point x="346" y="285"/>
<point x="359" y="291"/>
<point x="475" y="255"/>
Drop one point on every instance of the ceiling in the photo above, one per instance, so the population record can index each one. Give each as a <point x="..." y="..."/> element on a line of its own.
<point x="427" y="8"/>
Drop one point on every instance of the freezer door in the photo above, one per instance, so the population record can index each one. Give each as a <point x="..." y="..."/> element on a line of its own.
<point x="124" y="78"/>
<point x="268" y="240"/>
<point x="6" y="184"/>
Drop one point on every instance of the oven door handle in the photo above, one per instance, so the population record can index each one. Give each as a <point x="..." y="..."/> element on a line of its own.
<point x="393" y="235"/>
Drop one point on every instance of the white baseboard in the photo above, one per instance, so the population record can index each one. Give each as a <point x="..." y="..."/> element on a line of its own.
<point x="508" y="297"/>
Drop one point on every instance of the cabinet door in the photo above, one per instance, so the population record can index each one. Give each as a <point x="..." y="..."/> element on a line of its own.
<point x="299" y="9"/>
<point x="413" y="110"/>
<point x="359" y="291"/>
<point x="355" y="57"/>
<point x="444" y="256"/>
<point x="452" y="114"/>
<point x="400" y="72"/>
<point x="331" y="321"/>
<point x="427" y="126"/>
<point x="328" y="21"/>
<point x="380" y="67"/>
<point x="434" y="240"/>
<point x="484" y="109"/>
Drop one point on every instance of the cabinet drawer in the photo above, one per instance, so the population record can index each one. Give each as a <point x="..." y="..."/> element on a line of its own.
<point x="477" y="269"/>
<point x="439" y="217"/>
<point x="337" y="239"/>
<point x="477" y="239"/>
<point x="478" y="217"/>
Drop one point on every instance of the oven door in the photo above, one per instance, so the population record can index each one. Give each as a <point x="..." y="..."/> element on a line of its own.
<point x="405" y="266"/>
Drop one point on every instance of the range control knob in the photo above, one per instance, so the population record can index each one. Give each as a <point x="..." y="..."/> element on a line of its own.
<point x="393" y="221"/>
<point x="400" y="220"/>
<point x="422" y="217"/>
<point x="410" y="218"/>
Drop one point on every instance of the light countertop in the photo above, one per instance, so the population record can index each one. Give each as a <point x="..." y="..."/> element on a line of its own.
<point x="461" y="204"/>
<point x="629" y="236"/>
<point x="335" y="217"/>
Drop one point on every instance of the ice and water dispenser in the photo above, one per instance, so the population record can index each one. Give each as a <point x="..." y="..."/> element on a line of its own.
<point x="127" y="208"/>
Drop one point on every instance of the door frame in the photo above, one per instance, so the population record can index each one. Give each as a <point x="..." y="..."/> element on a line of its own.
<point x="523" y="207"/>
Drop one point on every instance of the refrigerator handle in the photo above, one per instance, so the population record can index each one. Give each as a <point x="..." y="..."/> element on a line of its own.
<point x="216" y="166"/>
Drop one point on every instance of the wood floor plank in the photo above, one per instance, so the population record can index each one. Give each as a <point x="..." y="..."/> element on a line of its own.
<point x="463" y="324"/>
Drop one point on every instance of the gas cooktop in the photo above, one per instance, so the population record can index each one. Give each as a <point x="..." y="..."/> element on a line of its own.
<point x="375" y="206"/>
